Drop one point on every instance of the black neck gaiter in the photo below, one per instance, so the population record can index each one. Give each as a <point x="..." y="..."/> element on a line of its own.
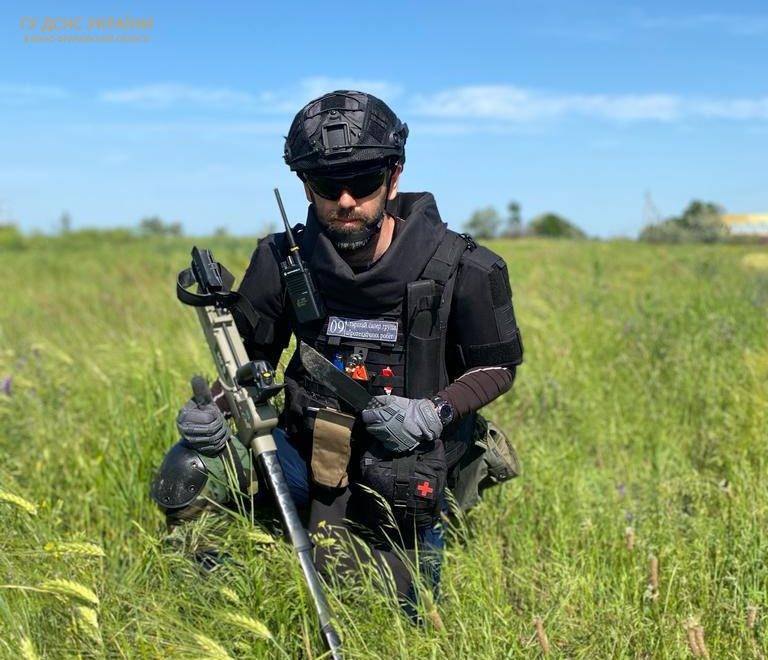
<point x="381" y="287"/>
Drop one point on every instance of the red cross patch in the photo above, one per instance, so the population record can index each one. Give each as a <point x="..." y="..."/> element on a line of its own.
<point x="424" y="489"/>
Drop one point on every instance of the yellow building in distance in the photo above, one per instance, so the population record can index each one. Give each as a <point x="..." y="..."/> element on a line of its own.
<point x="755" y="224"/>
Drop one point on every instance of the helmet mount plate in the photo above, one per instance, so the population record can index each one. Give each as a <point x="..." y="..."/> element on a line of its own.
<point x="336" y="138"/>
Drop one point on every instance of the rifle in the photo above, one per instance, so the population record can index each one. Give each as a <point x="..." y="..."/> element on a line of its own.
<point x="248" y="387"/>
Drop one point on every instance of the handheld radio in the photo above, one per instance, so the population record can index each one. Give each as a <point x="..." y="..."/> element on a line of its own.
<point x="299" y="285"/>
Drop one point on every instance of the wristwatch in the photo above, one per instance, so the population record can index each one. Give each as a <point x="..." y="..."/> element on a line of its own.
<point x="444" y="410"/>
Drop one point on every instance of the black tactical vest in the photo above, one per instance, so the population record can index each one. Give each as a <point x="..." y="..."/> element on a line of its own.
<point x="402" y="344"/>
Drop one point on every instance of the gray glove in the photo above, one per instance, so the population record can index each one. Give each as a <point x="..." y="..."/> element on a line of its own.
<point x="402" y="424"/>
<point x="200" y="422"/>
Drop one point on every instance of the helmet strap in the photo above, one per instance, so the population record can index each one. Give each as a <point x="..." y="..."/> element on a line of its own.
<point x="389" y="185"/>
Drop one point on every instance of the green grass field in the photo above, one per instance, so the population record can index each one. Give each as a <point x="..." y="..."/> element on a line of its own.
<point x="642" y="404"/>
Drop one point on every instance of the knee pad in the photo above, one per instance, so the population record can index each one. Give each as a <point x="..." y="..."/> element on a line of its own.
<point x="188" y="482"/>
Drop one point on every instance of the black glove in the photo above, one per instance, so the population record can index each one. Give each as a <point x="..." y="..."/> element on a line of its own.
<point x="200" y="422"/>
<point x="402" y="424"/>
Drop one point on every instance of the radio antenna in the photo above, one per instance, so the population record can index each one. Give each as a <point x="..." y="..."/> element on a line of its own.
<point x="291" y="241"/>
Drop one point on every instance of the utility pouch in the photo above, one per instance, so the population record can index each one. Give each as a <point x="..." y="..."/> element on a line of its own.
<point x="410" y="484"/>
<point x="331" y="448"/>
<point x="490" y="460"/>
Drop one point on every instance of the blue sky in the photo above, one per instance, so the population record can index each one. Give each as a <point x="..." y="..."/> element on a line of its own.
<point x="564" y="107"/>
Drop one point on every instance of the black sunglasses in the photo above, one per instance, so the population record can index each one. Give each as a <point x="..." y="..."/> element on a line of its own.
<point x="360" y="185"/>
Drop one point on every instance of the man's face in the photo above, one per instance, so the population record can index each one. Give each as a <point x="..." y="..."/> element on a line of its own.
<point x="348" y="214"/>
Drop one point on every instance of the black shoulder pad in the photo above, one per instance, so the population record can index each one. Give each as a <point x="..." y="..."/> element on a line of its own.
<point x="488" y="262"/>
<point x="489" y="297"/>
<point x="180" y="479"/>
<point x="482" y="258"/>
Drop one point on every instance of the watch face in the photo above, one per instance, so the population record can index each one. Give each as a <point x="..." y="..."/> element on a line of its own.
<point x="445" y="412"/>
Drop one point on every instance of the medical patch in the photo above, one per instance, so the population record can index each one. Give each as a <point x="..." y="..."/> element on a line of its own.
<point x="366" y="329"/>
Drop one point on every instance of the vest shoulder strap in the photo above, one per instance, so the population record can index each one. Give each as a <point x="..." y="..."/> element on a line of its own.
<point x="428" y="305"/>
<point x="445" y="260"/>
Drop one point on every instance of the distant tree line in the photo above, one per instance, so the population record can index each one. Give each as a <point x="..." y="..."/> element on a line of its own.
<point x="486" y="223"/>
<point x="152" y="225"/>
<point x="699" y="222"/>
<point x="156" y="226"/>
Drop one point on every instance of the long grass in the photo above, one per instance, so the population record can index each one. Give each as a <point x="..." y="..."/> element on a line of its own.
<point x="636" y="530"/>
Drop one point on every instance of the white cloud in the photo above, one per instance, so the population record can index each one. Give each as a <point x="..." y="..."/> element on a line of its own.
<point x="517" y="104"/>
<point x="317" y="86"/>
<point x="737" y="109"/>
<point x="281" y="101"/>
<point x="464" y="109"/>
<point x="742" y="25"/>
<point x="509" y="103"/>
<point x="22" y="94"/>
<point x="164" y="95"/>
<point x="289" y="100"/>
<point x="625" y="107"/>
<point x="627" y="24"/>
<point x="115" y="158"/>
<point x="201" y="130"/>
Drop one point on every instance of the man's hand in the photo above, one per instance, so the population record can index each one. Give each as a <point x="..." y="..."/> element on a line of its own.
<point x="402" y="424"/>
<point x="200" y="422"/>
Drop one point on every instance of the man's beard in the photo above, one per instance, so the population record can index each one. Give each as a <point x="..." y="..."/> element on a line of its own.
<point x="351" y="230"/>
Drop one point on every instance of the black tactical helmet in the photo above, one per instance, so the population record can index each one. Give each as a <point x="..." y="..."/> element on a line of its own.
<point x="344" y="130"/>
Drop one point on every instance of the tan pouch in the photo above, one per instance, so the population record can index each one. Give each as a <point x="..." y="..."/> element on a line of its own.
<point x="331" y="447"/>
